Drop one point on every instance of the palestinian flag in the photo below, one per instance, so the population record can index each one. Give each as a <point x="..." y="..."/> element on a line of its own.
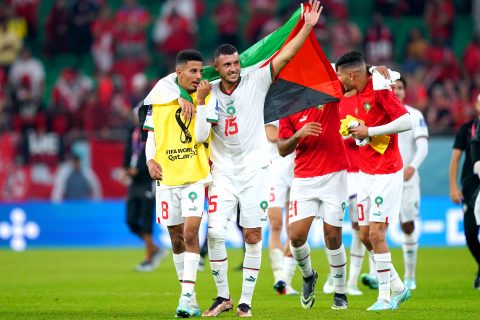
<point x="307" y="80"/>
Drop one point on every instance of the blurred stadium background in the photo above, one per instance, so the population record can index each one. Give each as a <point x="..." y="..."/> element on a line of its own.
<point x="72" y="71"/>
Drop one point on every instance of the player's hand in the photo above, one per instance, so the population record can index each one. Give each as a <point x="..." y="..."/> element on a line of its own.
<point x="309" y="129"/>
<point x="203" y="90"/>
<point x="456" y="195"/>
<point x="187" y="108"/>
<point x="155" y="170"/>
<point x="408" y="173"/>
<point x="311" y="16"/>
<point x="383" y="71"/>
<point x="360" y="132"/>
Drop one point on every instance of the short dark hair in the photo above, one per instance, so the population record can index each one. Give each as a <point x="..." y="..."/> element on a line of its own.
<point x="402" y="80"/>
<point x="226" y="49"/>
<point x="350" y="59"/>
<point x="188" y="55"/>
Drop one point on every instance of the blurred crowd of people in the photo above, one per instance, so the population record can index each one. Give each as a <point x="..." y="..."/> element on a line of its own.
<point x="124" y="41"/>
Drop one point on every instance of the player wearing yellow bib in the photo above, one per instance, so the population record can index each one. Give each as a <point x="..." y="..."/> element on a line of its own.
<point x="177" y="159"/>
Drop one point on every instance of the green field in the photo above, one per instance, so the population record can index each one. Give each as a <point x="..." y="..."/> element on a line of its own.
<point x="101" y="284"/>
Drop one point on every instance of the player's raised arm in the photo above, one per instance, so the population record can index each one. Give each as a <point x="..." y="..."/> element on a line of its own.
<point x="292" y="47"/>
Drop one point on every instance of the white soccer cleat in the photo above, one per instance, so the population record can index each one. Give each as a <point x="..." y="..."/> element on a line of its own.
<point x="410" y="283"/>
<point x="353" y="291"/>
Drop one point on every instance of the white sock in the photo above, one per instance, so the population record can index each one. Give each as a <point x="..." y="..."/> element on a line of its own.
<point x="276" y="261"/>
<point x="395" y="282"/>
<point x="338" y="268"/>
<point x="178" y="260"/>
<point x="251" y="267"/>
<point x="190" y="273"/>
<point x="372" y="268"/>
<point x="410" y="249"/>
<point x="357" y="251"/>
<point x="302" y="256"/>
<point x="289" y="266"/>
<point x="383" y="262"/>
<point x="217" y="253"/>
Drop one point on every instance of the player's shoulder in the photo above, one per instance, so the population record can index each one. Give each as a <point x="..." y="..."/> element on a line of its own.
<point x="414" y="111"/>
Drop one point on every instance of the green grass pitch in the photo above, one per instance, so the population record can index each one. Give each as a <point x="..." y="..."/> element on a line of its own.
<point x="101" y="284"/>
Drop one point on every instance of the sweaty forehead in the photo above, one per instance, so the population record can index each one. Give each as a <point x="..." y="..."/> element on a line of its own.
<point x="227" y="58"/>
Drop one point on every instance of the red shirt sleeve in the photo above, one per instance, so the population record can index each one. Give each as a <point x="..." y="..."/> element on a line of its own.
<point x="390" y="103"/>
<point x="285" y="128"/>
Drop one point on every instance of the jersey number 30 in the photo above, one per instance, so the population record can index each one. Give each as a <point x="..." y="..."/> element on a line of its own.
<point x="231" y="127"/>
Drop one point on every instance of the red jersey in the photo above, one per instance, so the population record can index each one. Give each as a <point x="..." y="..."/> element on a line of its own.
<point x="377" y="108"/>
<point x="316" y="156"/>
<point x="349" y="106"/>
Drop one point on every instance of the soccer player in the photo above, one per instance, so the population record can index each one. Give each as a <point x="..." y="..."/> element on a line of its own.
<point x="177" y="159"/>
<point x="470" y="184"/>
<point x="240" y="163"/>
<point x="381" y="175"/>
<point x="413" y="146"/>
<point x="281" y="176"/>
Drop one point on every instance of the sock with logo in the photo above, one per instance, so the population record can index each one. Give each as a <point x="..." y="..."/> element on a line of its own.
<point x="302" y="256"/>
<point x="190" y="273"/>
<point x="251" y="267"/>
<point x="357" y="251"/>
<point x="338" y="268"/>
<point x="383" y="261"/>
<point x="217" y="253"/>
<point x="410" y="248"/>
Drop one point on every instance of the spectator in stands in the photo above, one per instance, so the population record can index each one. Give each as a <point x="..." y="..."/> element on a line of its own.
<point x="441" y="62"/>
<point x="27" y="9"/>
<point x="140" y="88"/>
<point x="463" y="108"/>
<point x="172" y="33"/>
<point x="439" y="116"/>
<point x="16" y="23"/>
<point x="27" y="71"/>
<point x="57" y="29"/>
<point x="75" y="182"/>
<point x="131" y="23"/>
<point x="471" y="56"/>
<point x="103" y="40"/>
<point x="70" y="89"/>
<point x="345" y="35"/>
<point x="379" y="42"/>
<point x="260" y="11"/>
<point x="439" y="18"/>
<point x="415" y="50"/>
<point x="10" y="43"/>
<point x="120" y="108"/>
<point x="5" y="105"/>
<point x="84" y="13"/>
<point x="227" y="18"/>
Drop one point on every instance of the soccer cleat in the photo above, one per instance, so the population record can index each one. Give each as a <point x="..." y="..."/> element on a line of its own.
<point x="280" y="287"/>
<point x="400" y="298"/>
<point x="476" y="283"/>
<point x="353" y="291"/>
<point x="380" y="305"/>
<point x="244" y="311"/>
<point x="219" y="305"/>
<point x="308" y="291"/>
<point x="289" y="291"/>
<point x="339" y="301"/>
<point x="145" y="266"/>
<point x="329" y="285"/>
<point x="369" y="280"/>
<point x="410" y="283"/>
<point x="186" y="309"/>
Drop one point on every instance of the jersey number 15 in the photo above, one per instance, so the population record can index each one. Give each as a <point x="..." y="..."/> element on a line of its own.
<point x="231" y="127"/>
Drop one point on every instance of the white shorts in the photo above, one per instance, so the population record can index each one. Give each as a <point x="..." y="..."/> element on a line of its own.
<point x="320" y="197"/>
<point x="175" y="204"/>
<point x="379" y="197"/>
<point x="248" y="191"/>
<point x="410" y="203"/>
<point x="281" y="177"/>
<point x="352" y="186"/>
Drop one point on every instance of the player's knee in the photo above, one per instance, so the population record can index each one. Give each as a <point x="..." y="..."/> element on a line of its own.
<point x="364" y="236"/>
<point x="408" y="227"/>
<point x="375" y="236"/>
<point x="191" y="239"/>
<point x="333" y="241"/>
<point x="217" y="234"/>
<point x="276" y="226"/>
<point x="253" y="236"/>
<point x="177" y="241"/>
